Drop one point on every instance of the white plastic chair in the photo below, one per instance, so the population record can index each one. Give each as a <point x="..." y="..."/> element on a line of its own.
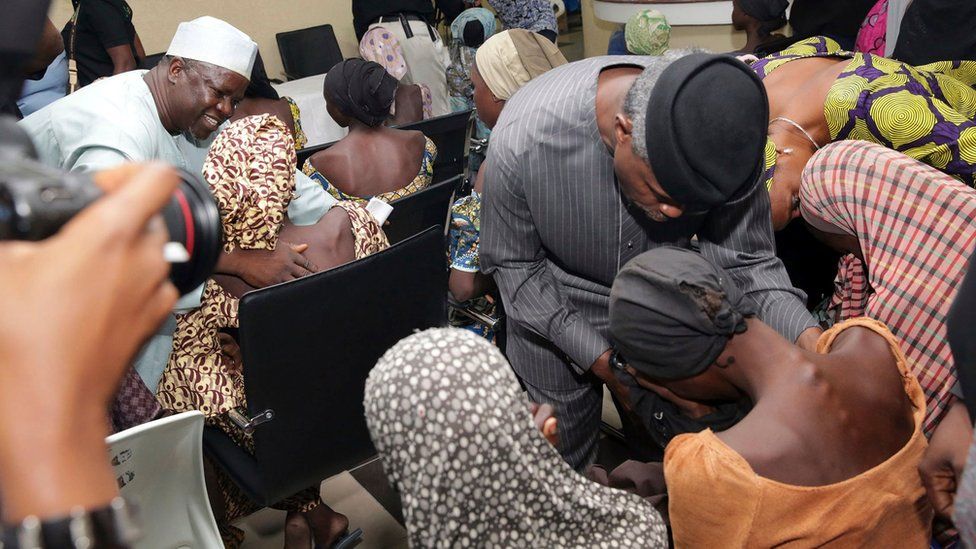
<point x="559" y="7"/>
<point x="159" y="467"/>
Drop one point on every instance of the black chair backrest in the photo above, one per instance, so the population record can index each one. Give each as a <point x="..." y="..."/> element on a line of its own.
<point x="448" y="132"/>
<point x="306" y="52"/>
<point x="308" y="346"/>
<point x="151" y="60"/>
<point x="415" y="213"/>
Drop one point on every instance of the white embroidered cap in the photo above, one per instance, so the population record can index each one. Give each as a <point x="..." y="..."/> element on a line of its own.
<point x="217" y="42"/>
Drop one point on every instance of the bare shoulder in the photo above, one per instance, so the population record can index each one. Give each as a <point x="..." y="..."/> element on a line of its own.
<point x="863" y="354"/>
<point x="868" y="347"/>
<point x="332" y="162"/>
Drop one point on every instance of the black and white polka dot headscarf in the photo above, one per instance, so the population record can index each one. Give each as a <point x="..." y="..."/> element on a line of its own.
<point x="457" y="439"/>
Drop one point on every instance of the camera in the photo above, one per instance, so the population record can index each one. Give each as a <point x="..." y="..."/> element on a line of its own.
<point x="36" y="201"/>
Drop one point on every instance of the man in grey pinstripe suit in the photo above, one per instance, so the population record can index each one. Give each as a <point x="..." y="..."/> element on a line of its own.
<point x="592" y="164"/>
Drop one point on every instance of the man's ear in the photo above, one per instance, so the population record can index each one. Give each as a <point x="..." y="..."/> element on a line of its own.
<point x="176" y="67"/>
<point x="622" y="128"/>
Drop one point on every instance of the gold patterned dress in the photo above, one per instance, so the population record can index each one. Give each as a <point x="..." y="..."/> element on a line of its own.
<point x="926" y="112"/>
<point x="250" y="170"/>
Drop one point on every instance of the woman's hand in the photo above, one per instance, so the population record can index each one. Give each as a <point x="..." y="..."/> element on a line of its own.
<point x="945" y="458"/>
<point x="230" y="349"/>
<point x="545" y="421"/>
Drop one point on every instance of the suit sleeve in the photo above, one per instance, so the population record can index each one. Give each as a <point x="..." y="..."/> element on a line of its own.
<point x="738" y="236"/>
<point x="512" y="251"/>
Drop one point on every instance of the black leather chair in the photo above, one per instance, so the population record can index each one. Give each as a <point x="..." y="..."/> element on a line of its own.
<point x="414" y="213"/>
<point x="308" y="346"/>
<point x="306" y="52"/>
<point x="449" y="132"/>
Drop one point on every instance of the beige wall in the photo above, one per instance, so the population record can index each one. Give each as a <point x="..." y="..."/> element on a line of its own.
<point x="717" y="38"/>
<point x="156" y="21"/>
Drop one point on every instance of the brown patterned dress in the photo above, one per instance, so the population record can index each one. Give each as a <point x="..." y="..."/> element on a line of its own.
<point x="250" y="170"/>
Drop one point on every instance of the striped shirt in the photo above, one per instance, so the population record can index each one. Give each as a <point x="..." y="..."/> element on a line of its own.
<point x="915" y="228"/>
<point x="556" y="230"/>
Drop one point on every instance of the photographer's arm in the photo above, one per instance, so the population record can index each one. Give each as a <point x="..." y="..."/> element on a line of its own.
<point x="96" y="290"/>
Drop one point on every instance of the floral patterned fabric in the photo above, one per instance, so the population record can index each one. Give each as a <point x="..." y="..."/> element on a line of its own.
<point x="463" y="237"/>
<point x="926" y="112"/>
<point x="250" y="171"/>
<point x="296" y="114"/>
<point x="874" y="30"/>
<point x="531" y="15"/>
<point x="419" y="183"/>
<point x="381" y="46"/>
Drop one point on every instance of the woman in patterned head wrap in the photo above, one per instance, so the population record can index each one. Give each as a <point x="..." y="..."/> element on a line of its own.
<point x="457" y="439"/>
<point x="683" y="329"/>
<point x="908" y="234"/>
<point x="505" y="63"/>
<point x="250" y="170"/>
<point x="468" y="32"/>
<point x="372" y="160"/>
<point x="647" y="33"/>
<point x="819" y="93"/>
<point x="412" y="102"/>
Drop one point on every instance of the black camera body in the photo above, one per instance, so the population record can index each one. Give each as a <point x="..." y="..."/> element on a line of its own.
<point x="36" y="201"/>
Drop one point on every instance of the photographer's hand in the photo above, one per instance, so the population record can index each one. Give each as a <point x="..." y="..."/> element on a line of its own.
<point x="77" y="306"/>
<point x="263" y="268"/>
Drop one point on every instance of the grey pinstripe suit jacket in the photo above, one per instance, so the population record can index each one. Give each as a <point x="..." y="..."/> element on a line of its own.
<point x="556" y="230"/>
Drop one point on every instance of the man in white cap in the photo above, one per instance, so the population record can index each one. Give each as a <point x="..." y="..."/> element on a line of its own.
<point x="171" y="114"/>
<point x="161" y="114"/>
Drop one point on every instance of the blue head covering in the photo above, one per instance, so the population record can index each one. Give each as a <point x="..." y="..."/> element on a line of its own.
<point x="481" y="15"/>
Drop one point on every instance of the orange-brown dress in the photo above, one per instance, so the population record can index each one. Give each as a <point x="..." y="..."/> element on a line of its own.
<point x="717" y="500"/>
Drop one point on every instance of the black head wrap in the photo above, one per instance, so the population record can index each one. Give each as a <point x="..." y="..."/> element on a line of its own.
<point x="706" y="126"/>
<point x="260" y="84"/>
<point x="765" y="10"/>
<point x="474" y="34"/>
<point x="361" y="89"/>
<point x="672" y="312"/>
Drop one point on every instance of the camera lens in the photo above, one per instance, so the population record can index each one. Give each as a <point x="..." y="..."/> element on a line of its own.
<point x="36" y="201"/>
<point x="193" y="220"/>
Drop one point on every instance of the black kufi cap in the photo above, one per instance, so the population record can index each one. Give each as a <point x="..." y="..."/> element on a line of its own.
<point x="706" y="129"/>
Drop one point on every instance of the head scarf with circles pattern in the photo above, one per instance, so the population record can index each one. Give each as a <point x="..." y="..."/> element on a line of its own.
<point x="456" y="437"/>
